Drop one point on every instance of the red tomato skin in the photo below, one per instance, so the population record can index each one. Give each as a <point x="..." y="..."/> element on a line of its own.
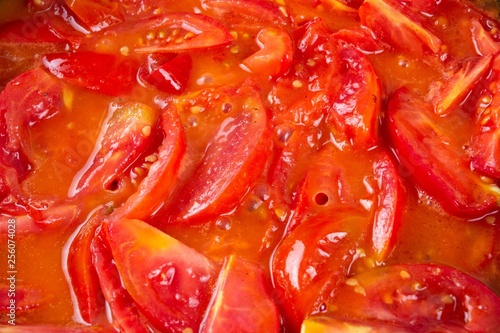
<point x="29" y="98"/>
<point x="171" y="77"/>
<point x="85" y="69"/>
<point x="241" y="280"/>
<point x="82" y="274"/>
<point x="232" y="163"/>
<point x="275" y="55"/>
<point x="460" y="191"/>
<point x="96" y="15"/>
<point x="176" y="278"/>
<point x="313" y="259"/>
<point x="126" y="316"/>
<point x="421" y="295"/>
<point x="163" y="173"/>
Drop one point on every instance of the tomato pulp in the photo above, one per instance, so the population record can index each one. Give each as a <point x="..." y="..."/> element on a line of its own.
<point x="249" y="166"/>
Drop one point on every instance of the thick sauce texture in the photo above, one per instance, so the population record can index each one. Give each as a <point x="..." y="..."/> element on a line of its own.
<point x="249" y="166"/>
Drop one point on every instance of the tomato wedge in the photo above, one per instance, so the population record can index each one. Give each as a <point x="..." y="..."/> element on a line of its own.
<point x="172" y="32"/>
<point x="419" y="296"/>
<point x="158" y="269"/>
<point x="313" y="259"/>
<point x="232" y="163"/>
<point x="85" y="69"/>
<point x="28" y="99"/>
<point x="126" y="316"/>
<point x="172" y="76"/>
<point x="435" y="159"/>
<point x="275" y="54"/>
<point x="162" y="175"/>
<point x="96" y="15"/>
<point x="126" y="133"/>
<point x="483" y="42"/>
<point x="399" y="26"/>
<point x="241" y="301"/>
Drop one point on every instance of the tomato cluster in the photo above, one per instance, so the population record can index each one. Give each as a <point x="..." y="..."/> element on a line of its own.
<point x="251" y="165"/>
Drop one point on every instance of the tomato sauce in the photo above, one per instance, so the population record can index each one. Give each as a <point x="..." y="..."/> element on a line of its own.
<point x="288" y="152"/>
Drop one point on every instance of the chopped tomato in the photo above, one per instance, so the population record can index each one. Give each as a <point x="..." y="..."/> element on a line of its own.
<point x="275" y="55"/>
<point x="396" y="24"/>
<point x="483" y="42"/>
<point x="241" y="301"/>
<point x="232" y="163"/>
<point x="172" y="32"/>
<point x="435" y="160"/>
<point x="172" y="76"/>
<point x="158" y="269"/>
<point x="96" y="15"/>
<point x="125" y="313"/>
<point x="418" y="295"/>
<point x="313" y="259"/>
<point x="162" y="174"/>
<point x="85" y="69"/>
<point x="126" y="133"/>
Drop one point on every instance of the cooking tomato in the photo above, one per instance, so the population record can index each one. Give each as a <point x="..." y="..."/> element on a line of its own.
<point x="171" y="76"/>
<point x="241" y="280"/>
<point x="417" y="144"/>
<point x="96" y="15"/>
<point x="419" y="295"/>
<point x="176" y="278"/>
<point x="85" y="69"/>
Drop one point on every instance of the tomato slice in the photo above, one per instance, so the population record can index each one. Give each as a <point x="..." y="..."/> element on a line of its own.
<point x="399" y="26"/>
<point x="232" y="163"/>
<point x="85" y="69"/>
<point x="436" y="160"/>
<point x="361" y="38"/>
<point x="126" y="315"/>
<point x="170" y="282"/>
<point x="275" y="55"/>
<point x="172" y="76"/>
<point x="241" y="301"/>
<point x="460" y="85"/>
<point x="163" y="172"/>
<point x="483" y="42"/>
<point x="312" y="260"/>
<point x="418" y="295"/>
<point x="82" y="274"/>
<point x="28" y="99"/>
<point x="355" y="109"/>
<point x="96" y="15"/>
<point x="126" y="133"/>
<point x="172" y="32"/>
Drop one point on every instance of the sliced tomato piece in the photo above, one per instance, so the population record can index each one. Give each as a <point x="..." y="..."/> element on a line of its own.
<point x="232" y="163"/>
<point x="399" y="26"/>
<point x="28" y="99"/>
<point x="313" y="259"/>
<point x="81" y="272"/>
<point x="255" y="13"/>
<point x="361" y="38"/>
<point x="96" y="15"/>
<point x="172" y="32"/>
<point x="418" y="295"/>
<point x="170" y="282"/>
<point x="162" y="175"/>
<point x="172" y="76"/>
<point x="483" y="42"/>
<point x="484" y="147"/>
<point x="127" y="132"/>
<point x="339" y="6"/>
<point x="355" y="109"/>
<point x="85" y="69"/>
<point x="126" y="315"/>
<point x="436" y="160"/>
<point x="241" y="301"/>
<point x="275" y="54"/>
<point x="460" y="85"/>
